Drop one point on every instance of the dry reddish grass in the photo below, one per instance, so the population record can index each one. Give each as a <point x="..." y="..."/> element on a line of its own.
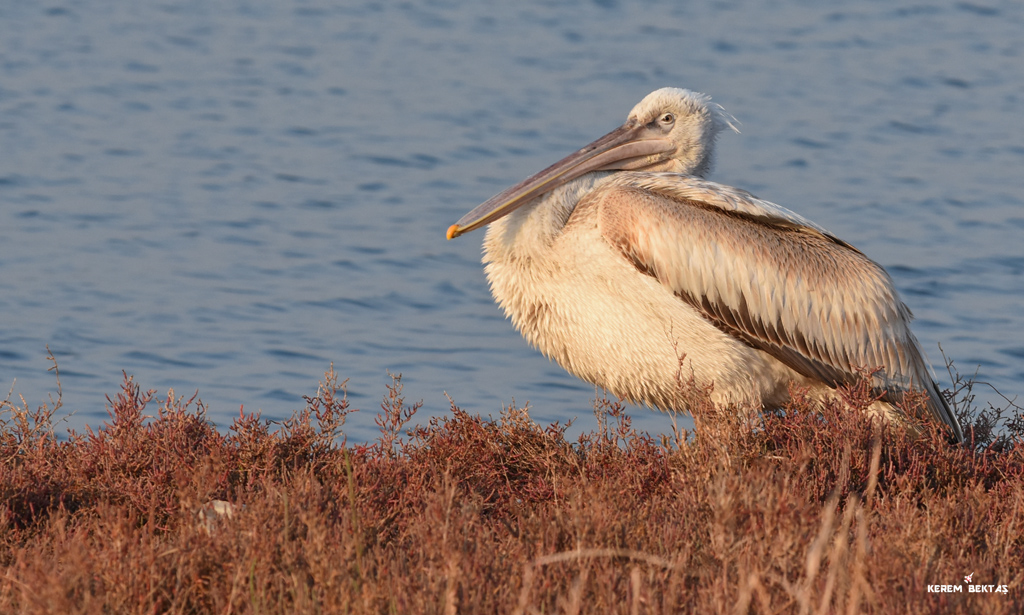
<point x="809" y="510"/>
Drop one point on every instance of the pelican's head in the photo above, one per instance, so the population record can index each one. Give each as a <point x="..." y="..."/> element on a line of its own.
<point x="689" y="121"/>
<point x="670" y="130"/>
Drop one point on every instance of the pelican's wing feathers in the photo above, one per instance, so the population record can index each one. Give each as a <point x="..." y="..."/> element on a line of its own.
<point x="768" y="277"/>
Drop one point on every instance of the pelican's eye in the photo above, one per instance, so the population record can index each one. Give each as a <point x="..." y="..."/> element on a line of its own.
<point x="666" y="119"/>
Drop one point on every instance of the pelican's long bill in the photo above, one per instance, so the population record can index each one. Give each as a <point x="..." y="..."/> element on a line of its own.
<point x="631" y="146"/>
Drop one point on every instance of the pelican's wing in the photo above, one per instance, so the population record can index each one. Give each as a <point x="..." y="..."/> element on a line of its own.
<point x="767" y="276"/>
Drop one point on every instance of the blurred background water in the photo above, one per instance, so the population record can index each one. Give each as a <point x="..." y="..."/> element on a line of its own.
<point x="229" y="196"/>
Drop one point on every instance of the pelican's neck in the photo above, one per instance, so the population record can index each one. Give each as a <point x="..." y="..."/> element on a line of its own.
<point x="533" y="227"/>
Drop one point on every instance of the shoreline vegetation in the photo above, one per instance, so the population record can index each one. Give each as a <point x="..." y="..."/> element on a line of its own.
<point x="813" y="509"/>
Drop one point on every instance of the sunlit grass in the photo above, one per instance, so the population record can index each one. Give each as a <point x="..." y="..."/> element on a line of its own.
<point x="809" y="510"/>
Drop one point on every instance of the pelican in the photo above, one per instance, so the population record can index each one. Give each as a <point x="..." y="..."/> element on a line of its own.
<point x="628" y="268"/>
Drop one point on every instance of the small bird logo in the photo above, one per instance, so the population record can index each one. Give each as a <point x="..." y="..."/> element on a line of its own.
<point x="967" y="579"/>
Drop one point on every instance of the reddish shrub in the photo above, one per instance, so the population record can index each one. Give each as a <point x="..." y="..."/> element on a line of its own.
<point x="815" y="508"/>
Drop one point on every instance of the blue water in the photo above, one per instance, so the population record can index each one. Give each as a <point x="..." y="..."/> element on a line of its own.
<point x="228" y="197"/>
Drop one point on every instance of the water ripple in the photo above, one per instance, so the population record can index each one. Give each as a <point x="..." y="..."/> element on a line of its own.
<point x="231" y="198"/>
